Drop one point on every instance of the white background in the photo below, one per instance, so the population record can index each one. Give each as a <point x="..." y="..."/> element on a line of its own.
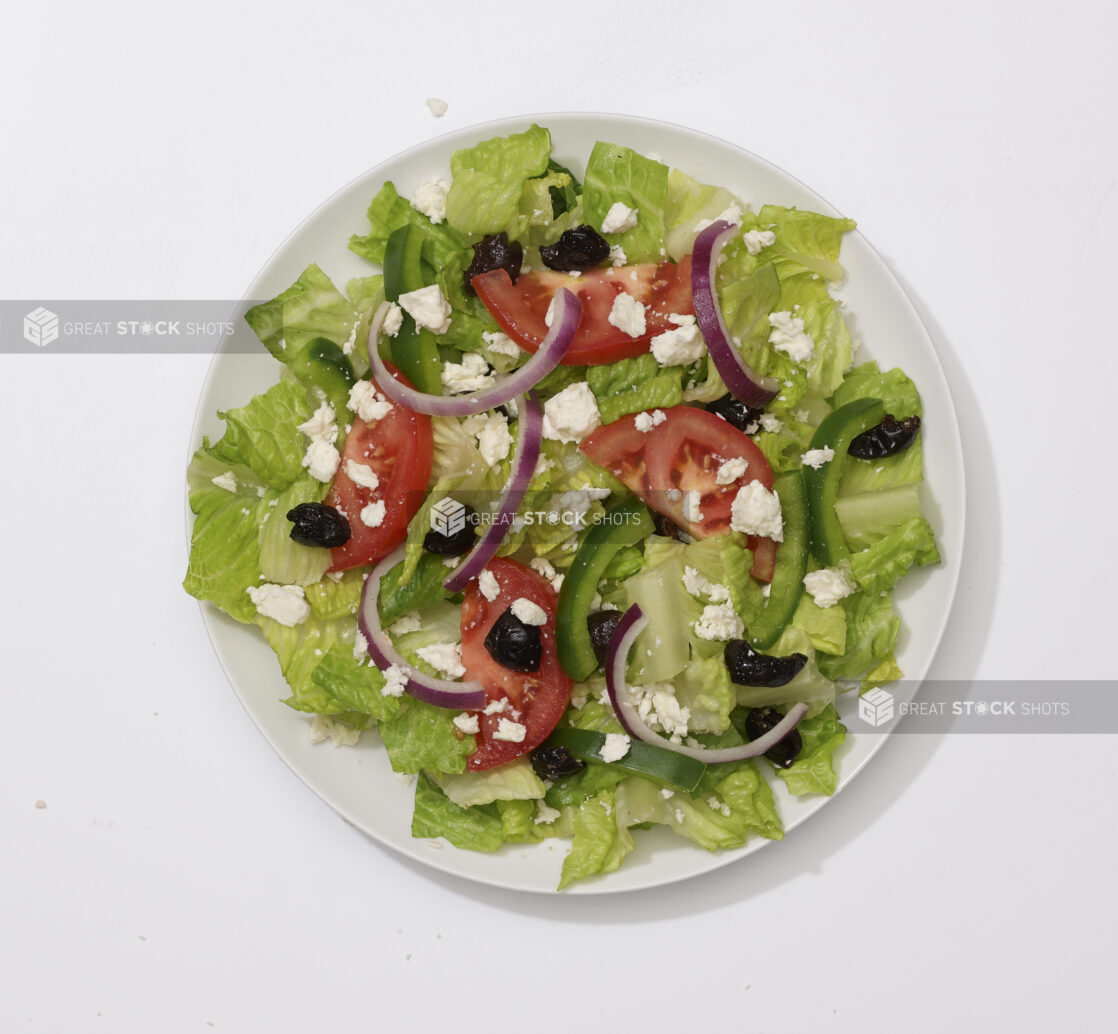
<point x="181" y="879"/>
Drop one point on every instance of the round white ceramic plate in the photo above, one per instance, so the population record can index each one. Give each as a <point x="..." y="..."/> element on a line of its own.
<point x="357" y="782"/>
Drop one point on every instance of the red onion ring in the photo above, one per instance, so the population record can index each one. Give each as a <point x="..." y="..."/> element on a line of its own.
<point x="529" y="437"/>
<point x="463" y="696"/>
<point x="632" y="623"/>
<point x="567" y="313"/>
<point x="739" y="379"/>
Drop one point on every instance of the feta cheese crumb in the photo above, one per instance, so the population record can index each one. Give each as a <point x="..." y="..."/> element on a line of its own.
<point x="226" y="481"/>
<point x="321" y="460"/>
<point x="730" y="214"/>
<point x="572" y="414"/>
<point x="731" y="470"/>
<point x="437" y="106"/>
<point x="615" y="747"/>
<point x="428" y="307"/>
<point x="395" y="681"/>
<point x="488" y="585"/>
<point x="410" y="622"/>
<point x="719" y="622"/>
<point x="620" y="218"/>
<point x="393" y="320"/>
<point x="617" y="256"/>
<point x="788" y="336"/>
<point x="829" y="585"/>
<point x="771" y="423"/>
<point x="372" y="516"/>
<point x="323" y="727"/>
<point x="323" y="423"/>
<point x="681" y="345"/>
<point x="360" y="647"/>
<point x="285" y="604"/>
<point x="368" y="403"/>
<point x="720" y="806"/>
<point x="545" y="568"/>
<point x="469" y="375"/>
<point x="361" y="474"/>
<point x="691" y="502"/>
<point x="430" y="199"/>
<point x="549" y="316"/>
<point x="695" y="583"/>
<point x="444" y="657"/>
<point x="658" y="707"/>
<point x="815" y="458"/>
<point x="501" y="343"/>
<point x="756" y="511"/>
<point x="511" y="732"/>
<point x="496" y="706"/>
<point x="467" y="723"/>
<point x="755" y="240"/>
<point x="528" y="612"/>
<point x="545" y="814"/>
<point x="643" y="422"/>
<point x="666" y="793"/>
<point x="627" y="314"/>
<point x="493" y="437"/>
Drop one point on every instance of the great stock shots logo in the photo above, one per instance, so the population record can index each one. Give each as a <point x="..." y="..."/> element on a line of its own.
<point x="448" y="517"/>
<point x="876" y="707"/>
<point x="40" y="327"/>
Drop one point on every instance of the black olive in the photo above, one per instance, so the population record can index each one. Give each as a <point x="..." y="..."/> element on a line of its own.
<point x="889" y="437"/>
<point x="452" y="545"/>
<point x="577" y="249"/>
<point x="736" y="412"/>
<point x="665" y="526"/>
<point x="759" y="721"/>
<point x="515" y="644"/>
<point x="555" y="763"/>
<point x="316" y="524"/>
<point x="495" y="252"/>
<point x="747" y="667"/>
<point x="601" y="625"/>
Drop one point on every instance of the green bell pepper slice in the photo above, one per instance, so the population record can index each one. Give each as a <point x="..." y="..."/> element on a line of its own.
<point x="791" y="562"/>
<point x="663" y="766"/>
<point x="623" y="525"/>
<point x="322" y="364"/>
<point x="836" y="432"/>
<point x="413" y="350"/>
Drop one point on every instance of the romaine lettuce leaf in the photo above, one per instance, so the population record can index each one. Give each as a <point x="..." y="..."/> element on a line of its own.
<point x="423" y="737"/>
<point x="282" y="560"/>
<point x="311" y="307"/>
<point x="514" y="781"/>
<point x="599" y="843"/>
<point x="355" y="684"/>
<point x="871" y="635"/>
<point x="880" y="565"/>
<point x="475" y="829"/>
<point x="618" y="174"/>
<point x="388" y="211"/>
<point x="814" y="771"/>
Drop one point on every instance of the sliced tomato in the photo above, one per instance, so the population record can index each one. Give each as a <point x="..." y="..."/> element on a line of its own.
<point x="398" y="448"/>
<point x="663" y="288"/>
<point x="678" y="456"/>
<point x="535" y="700"/>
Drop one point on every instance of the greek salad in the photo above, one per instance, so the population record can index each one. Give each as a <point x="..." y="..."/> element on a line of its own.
<point x="579" y="501"/>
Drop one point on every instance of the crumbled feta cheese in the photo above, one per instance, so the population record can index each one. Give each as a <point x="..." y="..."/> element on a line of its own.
<point x="368" y="403"/>
<point x="372" y="516"/>
<point x="545" y="568"/>
<point x="501" y="343"/>
<point x="666" y="793"/>
<point x="361" y="474"/>
<point x="430" y="199"/>
<point x="428" y="307"/>
<point x="444" y="657"/>
<point x="643" y="422"/>
<point x="323" y="423"/>
<point x="347" y="345"/>
<point x="695" y="583"/>
<point x="719" y="622"/>
<point x="691" y="502"/>
<point x="450" y="561"/>
<point x="755" y="240"/>
<point x="360" y="647"/>
<point x="528" y="612"/>
<point x="681" y="345"/>
<point x="321" y="460"/>
<point x="469" y="375"/>
<point x="404" y="778"/>
<point x="815" y="458"/>
<point x="617" y="256"/>
<point x="488" y="585"/>
<point x="545" y="814"/>
<point x="323" y="727"/>
<point x="620" y="218"/>
<point x="467" y="723"/>
<point x="572" y="414"/>
<point x="788" y="336"/>
<point x="756" y="511"/>
<point x="627" y="314"/>
<point x="615" y="747"/>
<point x="393" y="320"/>
<point x="549" y="316"/>
<point x="720" y="806"/>
<point x="511" y="732"/>
<point x="226" y="481"/>
<point x="395" y="681"/>
<point x="496" y="706"/>
<point x="493" y="437"/>
<point x="731" y="470"/>
<point x="829" y="585"/>
<point x="730" y="214"/>
<point x="285" y="604"/>
<point x="410" y="622"/>
<point x="658" y="707"/>
<point x="771" y="423"/>
<point x="437" y="106"/>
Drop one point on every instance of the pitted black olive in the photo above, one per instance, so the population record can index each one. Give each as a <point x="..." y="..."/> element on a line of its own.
<point x="495" y="252"/>
<point x="515" y="644"/>
<point x="759" y="721"/>
<point x="665" y="526"/>
<point x="747" y="667"/>
<point x="601" y="625"/>
<point x="736" y="412"/>
<point x="452" y="545"/>
<point x="555" y="763"/>
<point x="316" y="524"/>
<point x="887" y="438"/>
<point x="578" y="249"/>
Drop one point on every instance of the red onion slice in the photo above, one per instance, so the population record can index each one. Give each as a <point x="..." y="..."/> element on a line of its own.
<point x="567" y="313"/>
<point x="529" y="438"/>
<point x="463" y="696"/>
<point x="632" y="623"/>
<point x="739" y="379"/>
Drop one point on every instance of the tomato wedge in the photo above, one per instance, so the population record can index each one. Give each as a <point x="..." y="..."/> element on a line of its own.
<point x="535" y="700"/>
<point x="663" y="288"/>
<point x="398" y="449"/>
<point x="678" y="456"/>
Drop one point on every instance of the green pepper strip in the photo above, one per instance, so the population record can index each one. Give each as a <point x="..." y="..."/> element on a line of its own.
<point x="836" y="432"/>
<point x="791" y="562"/>
<point x="322" y="364"/>
<point x="623" y="525"/>
<point x="659" y="764"/>
<point x="413" y="350"/>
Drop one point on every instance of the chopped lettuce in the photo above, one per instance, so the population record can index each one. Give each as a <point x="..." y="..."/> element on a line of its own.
<point x="514" y="781"/>
<point x="616" y="174"/>
<point x="814" y="770"/>
<point x="311" y="307"/>
<point x="475" y="829"/>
